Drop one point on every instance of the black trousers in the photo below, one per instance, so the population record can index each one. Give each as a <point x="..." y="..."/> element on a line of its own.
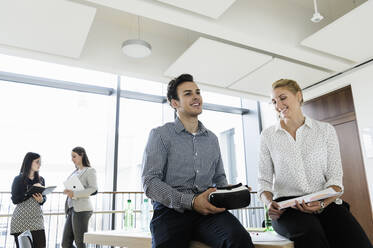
<point x="75" y="226"/>
<point x="38" y="239"/>
<point x="335" y="227"/>
<point x="173" y="229"/>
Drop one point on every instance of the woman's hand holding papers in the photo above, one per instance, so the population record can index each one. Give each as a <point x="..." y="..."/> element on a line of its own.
<point x="317" y="206"/>
<point x="310" y="208"/>
<point x="274" y="211"/>
<point x="69" y="193"/>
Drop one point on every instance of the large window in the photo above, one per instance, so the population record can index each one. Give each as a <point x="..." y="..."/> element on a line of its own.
<point x="53" y="121"/>
<point x="50" y="122"/>
<point x="216" y="98"/>
<point x="137" y="118"/>
<point x="42" y="69"/>
<point x="228" y="128"/>
<point x="142" y="86"/>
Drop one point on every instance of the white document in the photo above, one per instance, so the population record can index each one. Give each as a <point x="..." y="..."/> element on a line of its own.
<point x="320" y="195"/>
<point x="73" y="183"/>
<point x="266" y="237"/>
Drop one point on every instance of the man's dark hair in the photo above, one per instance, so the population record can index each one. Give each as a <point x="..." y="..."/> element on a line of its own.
<point x="174" y="83"/>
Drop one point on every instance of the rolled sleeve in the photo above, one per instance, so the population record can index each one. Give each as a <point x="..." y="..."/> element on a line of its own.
<point x="154" y="163"/>
<point x="265" y="176"/>
<point x="334" y="173"/>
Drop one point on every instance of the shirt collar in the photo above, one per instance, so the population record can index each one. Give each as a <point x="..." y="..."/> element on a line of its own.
<point x="307" y="122"/>
<point x="179" y="127"/>
<point x="278" y="126"/>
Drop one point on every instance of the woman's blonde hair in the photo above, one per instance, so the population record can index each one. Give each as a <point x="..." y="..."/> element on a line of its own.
<point x="290" y="85"/>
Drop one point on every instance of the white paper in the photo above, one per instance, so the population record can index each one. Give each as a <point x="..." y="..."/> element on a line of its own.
<point x="323" y="194"/>
<point x="266" y="237"/>
<point x="73" y="183"/>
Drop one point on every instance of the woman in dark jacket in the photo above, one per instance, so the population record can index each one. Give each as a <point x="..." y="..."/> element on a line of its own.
<point x="28" y="214"/>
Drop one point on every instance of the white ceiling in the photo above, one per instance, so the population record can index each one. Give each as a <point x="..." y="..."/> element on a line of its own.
<point x="216" y="63"/>
<point x="331" y="9"/>
<point x="258" y="29"/>
<point x="260" y="81"/>
<point x="55" y="27"/>
<point x="277" y="32"/>
<point x="350" y="36"/>
<point x="210" y="8"/>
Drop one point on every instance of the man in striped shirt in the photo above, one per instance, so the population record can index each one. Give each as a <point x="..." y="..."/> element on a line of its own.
<point x="182" y="165"/>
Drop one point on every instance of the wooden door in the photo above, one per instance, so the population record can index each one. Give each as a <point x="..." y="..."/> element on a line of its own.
<point x="337" y="108"/>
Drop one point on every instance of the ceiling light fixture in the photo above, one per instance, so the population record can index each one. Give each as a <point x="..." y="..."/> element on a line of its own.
<point x="317" y="17"/>
<point x="136" y="48"/>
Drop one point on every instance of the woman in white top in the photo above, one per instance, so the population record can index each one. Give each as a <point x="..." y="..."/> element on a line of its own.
<point x="299" y="156"/>
<point x="78" y="207"/>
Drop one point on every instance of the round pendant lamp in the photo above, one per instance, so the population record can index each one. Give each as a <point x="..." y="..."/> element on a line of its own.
<point x="136" y="48"/>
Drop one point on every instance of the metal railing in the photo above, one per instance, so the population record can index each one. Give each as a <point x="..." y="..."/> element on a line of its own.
<point x="54" y="216"/>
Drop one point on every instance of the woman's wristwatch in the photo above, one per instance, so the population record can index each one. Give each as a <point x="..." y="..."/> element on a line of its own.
<point x="323" y="206"/>
<point x="338" y="201"/>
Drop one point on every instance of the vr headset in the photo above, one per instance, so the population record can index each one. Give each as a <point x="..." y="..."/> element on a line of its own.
<point x="231" y="197"/>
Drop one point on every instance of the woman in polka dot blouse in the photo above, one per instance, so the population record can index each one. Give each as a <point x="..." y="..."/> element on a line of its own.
<point x="299" y="156"/>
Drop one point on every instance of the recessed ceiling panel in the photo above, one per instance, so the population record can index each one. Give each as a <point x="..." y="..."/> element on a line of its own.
<point x="56" y="27"/>
<point x="216" y="63"/>
<point x="210" y="8"/>
<point x="349" y="37"/>
<point x="260" y="81"/>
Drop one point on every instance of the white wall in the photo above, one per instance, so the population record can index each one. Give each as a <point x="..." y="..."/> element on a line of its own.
<point x="362" y="89"/>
